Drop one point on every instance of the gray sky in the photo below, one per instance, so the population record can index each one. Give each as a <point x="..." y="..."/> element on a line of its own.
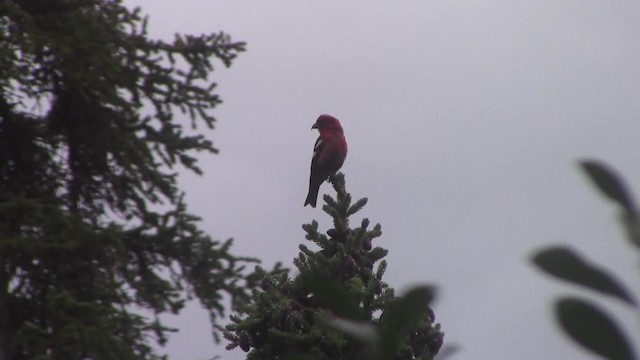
<point x="464" y="119"/>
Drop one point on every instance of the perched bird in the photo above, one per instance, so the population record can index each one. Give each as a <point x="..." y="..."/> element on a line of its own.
<point x="328" y="155"/>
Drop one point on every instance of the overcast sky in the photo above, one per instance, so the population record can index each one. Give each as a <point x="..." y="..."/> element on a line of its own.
<point x="464" y="121"/>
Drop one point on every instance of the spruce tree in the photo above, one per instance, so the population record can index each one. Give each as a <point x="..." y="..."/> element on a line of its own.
<point x="336" y="305"/>
<point x="96" y="242"/>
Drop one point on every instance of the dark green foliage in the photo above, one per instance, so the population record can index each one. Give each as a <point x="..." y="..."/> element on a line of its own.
<point x="93" y="228"/>
<point x="586" y="323"/>
<point x="591" y="327"/>
<point x="613" y="186"/>
<point x="565" y="264"/>
<point x="609" y="184"/>
<point x="337" y="306"/>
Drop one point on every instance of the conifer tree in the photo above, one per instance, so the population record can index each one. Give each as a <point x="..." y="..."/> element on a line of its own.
<point x="337" y="287"/>
<point x="95" y="239"/>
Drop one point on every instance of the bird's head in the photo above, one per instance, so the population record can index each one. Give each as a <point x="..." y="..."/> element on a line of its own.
<point x="327" y="123"/>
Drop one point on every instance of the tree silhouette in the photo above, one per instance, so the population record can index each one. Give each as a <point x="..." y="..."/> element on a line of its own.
<point x="337" y="306"/>
<point x="94" y="232"/>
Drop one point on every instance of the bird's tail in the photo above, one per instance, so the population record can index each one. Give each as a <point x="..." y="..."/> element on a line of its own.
<point x="312" y="196"/>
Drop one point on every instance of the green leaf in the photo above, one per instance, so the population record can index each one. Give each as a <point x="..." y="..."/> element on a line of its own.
<point x="361" y="330"/>
<point x="332" y="294"/>
<point x="565" y="264"/>
<point x="609" y="183"/>
<point x="590" y="327"/>
<point x="631" y="223"/>
<point x="612" y="186"/>
<point x="401" y="315"/>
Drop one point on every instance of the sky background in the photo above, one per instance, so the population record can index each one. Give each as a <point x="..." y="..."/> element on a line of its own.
<point x="465" y="120"/>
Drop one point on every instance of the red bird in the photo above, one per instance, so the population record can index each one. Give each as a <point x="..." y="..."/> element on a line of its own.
<point x="328" y="155"/>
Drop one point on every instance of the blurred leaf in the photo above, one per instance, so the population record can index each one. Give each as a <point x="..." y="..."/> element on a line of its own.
<point x="609" y="183"/>
<point x="592" y="328"/>
<point x="613" y="186"/>
<point x="363" y="331"/>
<point x="401" y="315"/>
<point x="564" y="264"/>
<point x="631" y="223"/>
<point x="332" y="294"/>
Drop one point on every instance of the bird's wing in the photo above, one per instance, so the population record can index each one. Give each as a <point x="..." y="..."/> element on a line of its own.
<point x="317" y="149"/>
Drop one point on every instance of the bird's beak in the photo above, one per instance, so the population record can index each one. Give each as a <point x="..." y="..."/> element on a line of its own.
<point x="315" y="126"/>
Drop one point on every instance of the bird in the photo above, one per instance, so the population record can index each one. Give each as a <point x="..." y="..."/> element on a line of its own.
<point x="329" y="154"/>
